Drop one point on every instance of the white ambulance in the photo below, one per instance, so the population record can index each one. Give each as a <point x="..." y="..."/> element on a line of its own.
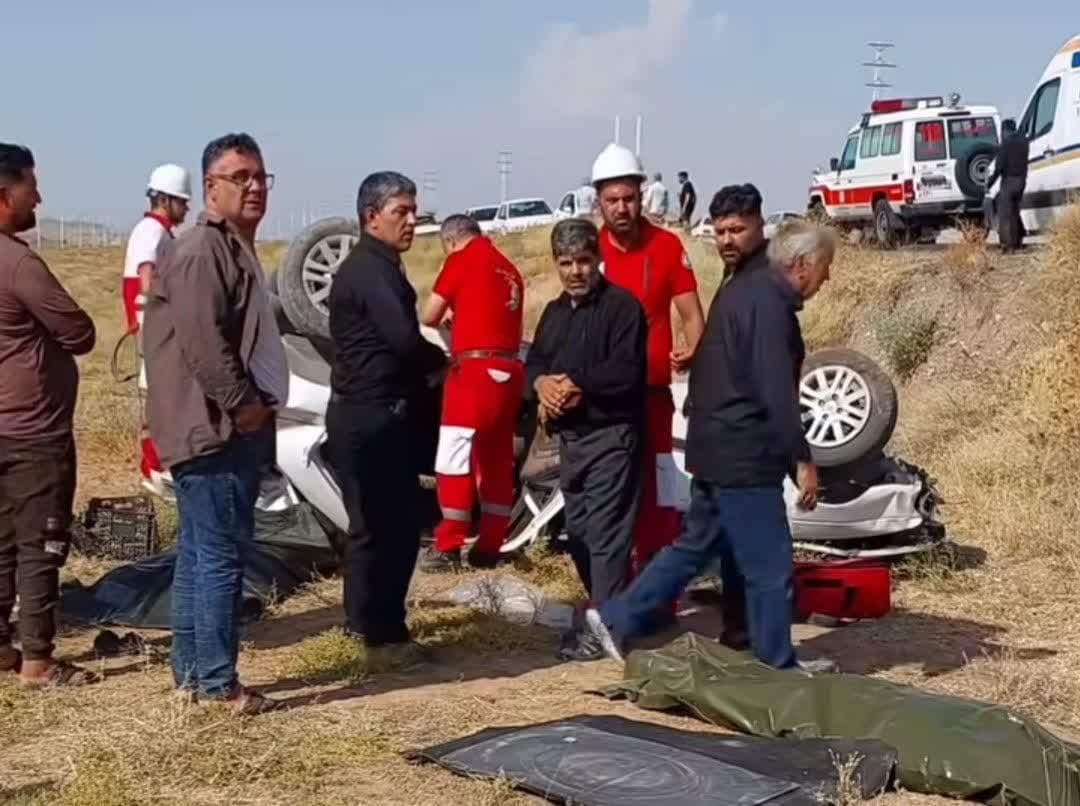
<point x="1051" y="124"/>
<point x="911" y="168"/>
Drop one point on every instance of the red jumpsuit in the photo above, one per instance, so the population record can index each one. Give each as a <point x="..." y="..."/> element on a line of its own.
<point x="482" y="395"/>
<point x="656" y="271"/>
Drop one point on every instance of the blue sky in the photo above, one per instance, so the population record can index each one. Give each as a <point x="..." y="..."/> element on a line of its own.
<point x="334" y="89"/>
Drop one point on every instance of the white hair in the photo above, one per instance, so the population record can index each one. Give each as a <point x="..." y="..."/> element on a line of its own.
<point x="802" y="239"/>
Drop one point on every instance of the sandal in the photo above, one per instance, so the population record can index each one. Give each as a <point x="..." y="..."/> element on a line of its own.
<point x="10" y="660"/>
<point x="62" y="673"/>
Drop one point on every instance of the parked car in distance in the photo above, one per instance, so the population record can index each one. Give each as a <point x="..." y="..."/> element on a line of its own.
<point x="773" y="221"/>
<point x="483" y="215"/>
<point x="519" y="214"/>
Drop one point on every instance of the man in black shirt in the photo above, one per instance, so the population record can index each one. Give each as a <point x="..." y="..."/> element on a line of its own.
<point x="1011" y="166"/>
<point x="744" y="436"/>
<point x="687" y="199"/>
<point x="586" y="372"/>
<point x="381" y="362"/>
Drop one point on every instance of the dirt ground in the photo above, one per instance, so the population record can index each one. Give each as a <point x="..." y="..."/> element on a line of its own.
<point x="993" y="619"/>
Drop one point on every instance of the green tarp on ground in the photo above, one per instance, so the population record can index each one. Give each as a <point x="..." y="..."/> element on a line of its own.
<point x="947" y="745"/>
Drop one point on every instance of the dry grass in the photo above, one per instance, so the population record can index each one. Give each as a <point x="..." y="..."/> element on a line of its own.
<point x="1003" y="442"/>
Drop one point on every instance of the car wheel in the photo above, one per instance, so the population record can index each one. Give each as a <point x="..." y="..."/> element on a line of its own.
<point x="307" y="272"/>
<point x="848" y="405"/>
<point x="884" y="231"/>
<point x="972" y="171"/>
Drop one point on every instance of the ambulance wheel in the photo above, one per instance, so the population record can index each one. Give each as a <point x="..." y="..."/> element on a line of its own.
<point x="884" y="224"/>
<point x="307" y="272"/>
<point x="848" y="405"/>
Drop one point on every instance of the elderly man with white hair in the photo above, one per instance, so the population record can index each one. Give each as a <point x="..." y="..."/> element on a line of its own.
<point x="744" y="436"/>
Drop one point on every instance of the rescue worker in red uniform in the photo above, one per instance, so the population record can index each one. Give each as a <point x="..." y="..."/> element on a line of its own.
<point x="651" y="263"/>
<point x="482" y="395"/>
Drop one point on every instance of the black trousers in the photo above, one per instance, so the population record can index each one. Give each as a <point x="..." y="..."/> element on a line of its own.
<point x="1010" y="225"/>
<point x="37" y="491"/>
<point x="600" y="478"/>
<point x="369" y="448"/>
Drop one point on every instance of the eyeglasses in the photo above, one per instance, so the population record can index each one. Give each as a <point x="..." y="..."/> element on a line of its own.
<point x="246" y="179"/>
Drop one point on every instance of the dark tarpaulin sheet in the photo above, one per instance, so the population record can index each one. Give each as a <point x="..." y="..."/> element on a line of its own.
<point x="290" y="547"/>
<point x="947" y="745"/>
<point x="602" y="760"/>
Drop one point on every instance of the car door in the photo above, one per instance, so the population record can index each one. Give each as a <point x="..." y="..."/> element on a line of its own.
<point x="1043" y="125"/>
<point x="567" y="207"/>
<point x="846" y="178"/>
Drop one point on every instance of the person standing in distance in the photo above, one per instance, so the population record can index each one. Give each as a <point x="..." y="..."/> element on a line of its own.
<point x="381" y="360"/>
<point x="652" y="264"/>
<point x="481" y="397"/>
<point x="41" y="331"/>
<point x="1011" y="166"/>
<point x="687" y="200"/>
<point x="216" y="372"/>
<point x="169" y="191"/>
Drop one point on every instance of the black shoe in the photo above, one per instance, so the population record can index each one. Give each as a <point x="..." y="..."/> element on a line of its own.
<point x="581" y="645"/>
<point x="481" y="559"/>
<point x="736" y="639"/>
<point x="440" y="562"/>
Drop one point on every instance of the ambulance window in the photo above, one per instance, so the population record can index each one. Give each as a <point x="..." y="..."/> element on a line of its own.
<point x="966" y="134"/>
<point x="847" y="162"/>
<point x="1039" y="118"/>
<point x="890" y="139"/>
<point x="871" y="143"/>
<point x="930" y="141"/>
<point x="567" y="205"/>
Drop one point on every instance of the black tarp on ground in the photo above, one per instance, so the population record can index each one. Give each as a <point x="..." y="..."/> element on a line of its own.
<point x="290" y="547"/>
<point x="601" y="760"/>
<point x="947" y="745"/>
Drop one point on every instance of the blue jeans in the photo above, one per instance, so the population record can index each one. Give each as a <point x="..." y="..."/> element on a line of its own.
<point x="215" y="496"/>
<point x="747" y="529"/>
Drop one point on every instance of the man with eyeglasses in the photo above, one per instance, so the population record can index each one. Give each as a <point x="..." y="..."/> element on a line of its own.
<point x="216" y="371"/>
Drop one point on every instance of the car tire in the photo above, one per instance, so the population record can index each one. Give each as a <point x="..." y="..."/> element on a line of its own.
<point x="972" y="170"/>
<point x="307" y="270"/>
<point x="884" y="224"/>
<point x="849" y="407"/>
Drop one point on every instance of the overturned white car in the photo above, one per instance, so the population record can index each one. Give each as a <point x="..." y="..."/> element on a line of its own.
<point x="870" y="505"/>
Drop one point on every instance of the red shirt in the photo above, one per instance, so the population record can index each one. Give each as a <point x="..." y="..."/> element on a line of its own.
<point x="486" y="294"/>
<point x="656" y="271"/>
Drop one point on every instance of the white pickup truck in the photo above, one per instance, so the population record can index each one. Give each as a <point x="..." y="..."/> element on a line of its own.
<point x="512" y="215"/>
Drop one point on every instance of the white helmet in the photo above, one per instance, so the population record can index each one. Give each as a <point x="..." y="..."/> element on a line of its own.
<point x="616" y="161"/>
<point x="172" y="180"/>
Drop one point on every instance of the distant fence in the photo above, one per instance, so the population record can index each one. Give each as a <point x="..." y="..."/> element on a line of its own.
<point x="64" y="233"/>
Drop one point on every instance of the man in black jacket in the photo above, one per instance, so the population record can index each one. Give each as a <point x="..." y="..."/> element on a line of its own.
<point x="380" y="361"/>
<point x="744" y="436"/>
<point x="1011" y="165"/>
<point x="586" y="372"/>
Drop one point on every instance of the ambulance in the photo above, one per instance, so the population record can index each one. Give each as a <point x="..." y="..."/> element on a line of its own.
<point x="911" y="168"/>
<point x="1051" y="124"/>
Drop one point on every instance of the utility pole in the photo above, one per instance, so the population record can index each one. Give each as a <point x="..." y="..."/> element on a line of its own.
<point x="505" y="162"/>
<point x="431" y="185"/>
<point x="637" y="137"/>
<point x="617" y="121"/>
<point x="878" y="64"/>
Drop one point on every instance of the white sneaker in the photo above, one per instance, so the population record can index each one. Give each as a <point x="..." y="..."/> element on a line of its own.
<point x="599" y="629"/>
<point x="818" y="666"/>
